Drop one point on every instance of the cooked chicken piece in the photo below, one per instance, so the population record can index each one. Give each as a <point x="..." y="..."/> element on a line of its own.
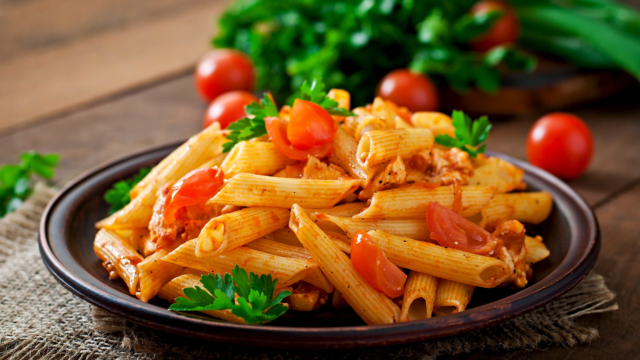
<point x="513" y="252"/>
<point x="306" y="297"/>
<point x="392" y="174"/>
<point x="317" y="170"/>
<point x="443" y="166"/>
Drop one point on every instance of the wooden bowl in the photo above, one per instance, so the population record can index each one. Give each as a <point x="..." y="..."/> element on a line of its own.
<point x="66" y="244"/>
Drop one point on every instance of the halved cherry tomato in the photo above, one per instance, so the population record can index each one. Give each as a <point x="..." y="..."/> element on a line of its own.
<point x="310" y="125"/>
<point x="370" y="261"/>
<point x="194" y="188"/>
<point x="228" y="108"/>
<point x="560" y="143"/>
<point x="506" y="30"/>
<point x="408" y="89"/>
<point x="452" y="230"/>
<point x="223" y="70"/>
<point x="277" y="130"/>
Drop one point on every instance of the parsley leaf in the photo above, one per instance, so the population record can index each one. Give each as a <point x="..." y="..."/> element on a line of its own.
<point x="316" y="94"/>
<point x="118" y="196"/>
<point x="255" y="302"/>
<point x="469" y="134"/>
<point x="15" y="179"/>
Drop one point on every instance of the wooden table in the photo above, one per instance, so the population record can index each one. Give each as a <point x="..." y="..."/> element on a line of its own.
<point x="94" y="125"/>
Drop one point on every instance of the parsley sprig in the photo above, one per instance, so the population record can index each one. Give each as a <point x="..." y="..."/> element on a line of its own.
<point x="469" y="134"/>
<point x="253" y="125"/>
<point x="255" y="302"/>
<point x="118" y="196"/>
<point x="16" y="182"/>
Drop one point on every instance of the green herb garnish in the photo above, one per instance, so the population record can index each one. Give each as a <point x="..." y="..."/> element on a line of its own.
<point x="15" y="180"/>
<point x="255" y="302"/>
<point x="469" y="134"/>
<point x="118" y="196"/>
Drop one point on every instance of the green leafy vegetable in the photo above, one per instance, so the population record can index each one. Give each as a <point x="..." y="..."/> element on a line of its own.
<point x="255" y="302"/>
<point x="16" y="182"/>
<point x="469" y="134"/>
<point x="118" y="196"/>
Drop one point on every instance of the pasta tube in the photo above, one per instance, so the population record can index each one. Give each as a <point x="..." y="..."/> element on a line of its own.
<point x="452" y="297"/>
<point x="154" y="273"/>
<point x="532" y="207"/>
<point x="372" y="306"/>
<point x="379" y="146"/>
<point x="437" y="122"/>
<point x="344" y="154"/>
<point x="118" y="257"/>
<point x="232" y="230"/>
<point x="442" y="262"/>
<point x="260" y="158"/>
<point x="536" y="250"/>
<point x="419" y="296"/>
<point x="412" y="228"/>
<point x="344" y="210"/>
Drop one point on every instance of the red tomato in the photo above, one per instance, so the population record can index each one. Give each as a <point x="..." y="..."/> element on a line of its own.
<point x="310" y="125"/>
<point x="506" y="30"/>
<point x="452" y="230"/>
<point x="370" y="261"/>
<point x="408" y="89"/>
<point x="560" y="143"/>
<point x="277" y="130"/>
<point x="228" y="108"/>
<point x="194" y="188"/>
<point x="221" y="71"/>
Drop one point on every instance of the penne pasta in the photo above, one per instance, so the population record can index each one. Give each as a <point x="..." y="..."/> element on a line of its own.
<point x="438" y="261"/>
<point x="419" y="296"/>
<point x="343" y="210"/>
<point x="155" y="273"/>
<point x="536" y="250"/>
<point x="452" y="297"/>
<point x="118" y="257"/>
<point x="232" y="230"/>
<point x="341" y="96"/>
<point x="287" y="270"/>
<point x="532" y="207"/>
<point x="286" y="236"/>
<point x="379" y="146"/>
<point x="260" y="158"/>
<point x="437" y="122"/>
<point x="412" y="228"/>
<point x="411" y="202"/>
<point x="498" y="173"/>
<point x="344" y="154"/>
<point x="372" y="306"/>
<point x="257" y="190"/>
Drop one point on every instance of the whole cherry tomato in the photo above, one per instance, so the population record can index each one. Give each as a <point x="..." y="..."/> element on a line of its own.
<point x="277" y="130"/>
<point x="194" y="188"/>
<point x="310" y="125"/>
<point x="560" y="143"/>
<point x="506" y="30"/>
<point x="408" y="89"/>
<point x="228" y="108"/>
<point x="370" y="261"/>
<point x="223" y="70"/>
<point x="452" y="230"/>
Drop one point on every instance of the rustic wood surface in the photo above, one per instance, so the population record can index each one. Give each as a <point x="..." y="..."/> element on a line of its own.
<point x="51" y="101"/>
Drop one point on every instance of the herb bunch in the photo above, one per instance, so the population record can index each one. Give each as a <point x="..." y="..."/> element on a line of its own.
<point x="118" y="196"/>
<point x="469" y="134"/>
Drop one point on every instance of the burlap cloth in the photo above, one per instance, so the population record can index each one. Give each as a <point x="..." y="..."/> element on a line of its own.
<point x="40" y="319"/>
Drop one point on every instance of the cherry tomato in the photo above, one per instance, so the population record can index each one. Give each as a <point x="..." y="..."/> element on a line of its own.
<point x="452" y="230"/>
<point x="408" y="89"/>
<point x="277" y="130"/>
<point x="310" y="125"/>
<point x="228" y="108"/>
<point x="194" y="188"/>
<point x="560" y="143"/>
<point x="370" y="261"/>
<point x="506" y="30"/>
<point x="221" y="71"/>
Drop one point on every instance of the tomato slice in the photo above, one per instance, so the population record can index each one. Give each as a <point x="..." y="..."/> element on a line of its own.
<point x="452" y="230"/>
<point x="310" y="125"/>
<point x="370" y="261"/>
<point x="194" y="188"/>
<point x="277" y="129"/>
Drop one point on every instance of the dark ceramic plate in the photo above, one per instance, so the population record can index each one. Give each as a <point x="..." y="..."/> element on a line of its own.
<point x="67" y="233"/>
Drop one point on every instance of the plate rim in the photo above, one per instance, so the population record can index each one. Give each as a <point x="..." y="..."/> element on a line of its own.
<point x="325" y="337"/>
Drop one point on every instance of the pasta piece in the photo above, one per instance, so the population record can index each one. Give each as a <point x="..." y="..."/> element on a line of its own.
<point x="305" y="297"/>
<point x="393" y="173"/>
<point x="368" y="123"/>
<point x="438" y="123"/>
<point x="286" y="236"/>
<point x="155" y="273"/>
<point x="498" y="173"/>
<point x="401" y="124"/>
<point x="118" y="257"/>
<point x="287" y="270"/>
<point x="341" y="96"/>
<point x="372" y="306"/>
<point x="344" y="154"/>
<point x="260" y="158"/>
<point x="412" y="228"/>
<point x="315" y="277"/>
<point x="230" y="231"/>
<point x="175" y="289"/>
<point x="344" y="210"/>
<point x="536" y="250"/>
<point x="257" y="190"/>
<point x="216" y="161"/>
<point x="419" y="296"/>
<point x="378" y="146"/>
<point x="452" y="297"/>
<point x="532" y="207"/>
<point x="381" y="109"/>
<point x="411" y="202"/>
<point x="442" y="262"/>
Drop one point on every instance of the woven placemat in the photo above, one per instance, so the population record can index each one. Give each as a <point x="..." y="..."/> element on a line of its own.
<point x="39" y="319"/>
